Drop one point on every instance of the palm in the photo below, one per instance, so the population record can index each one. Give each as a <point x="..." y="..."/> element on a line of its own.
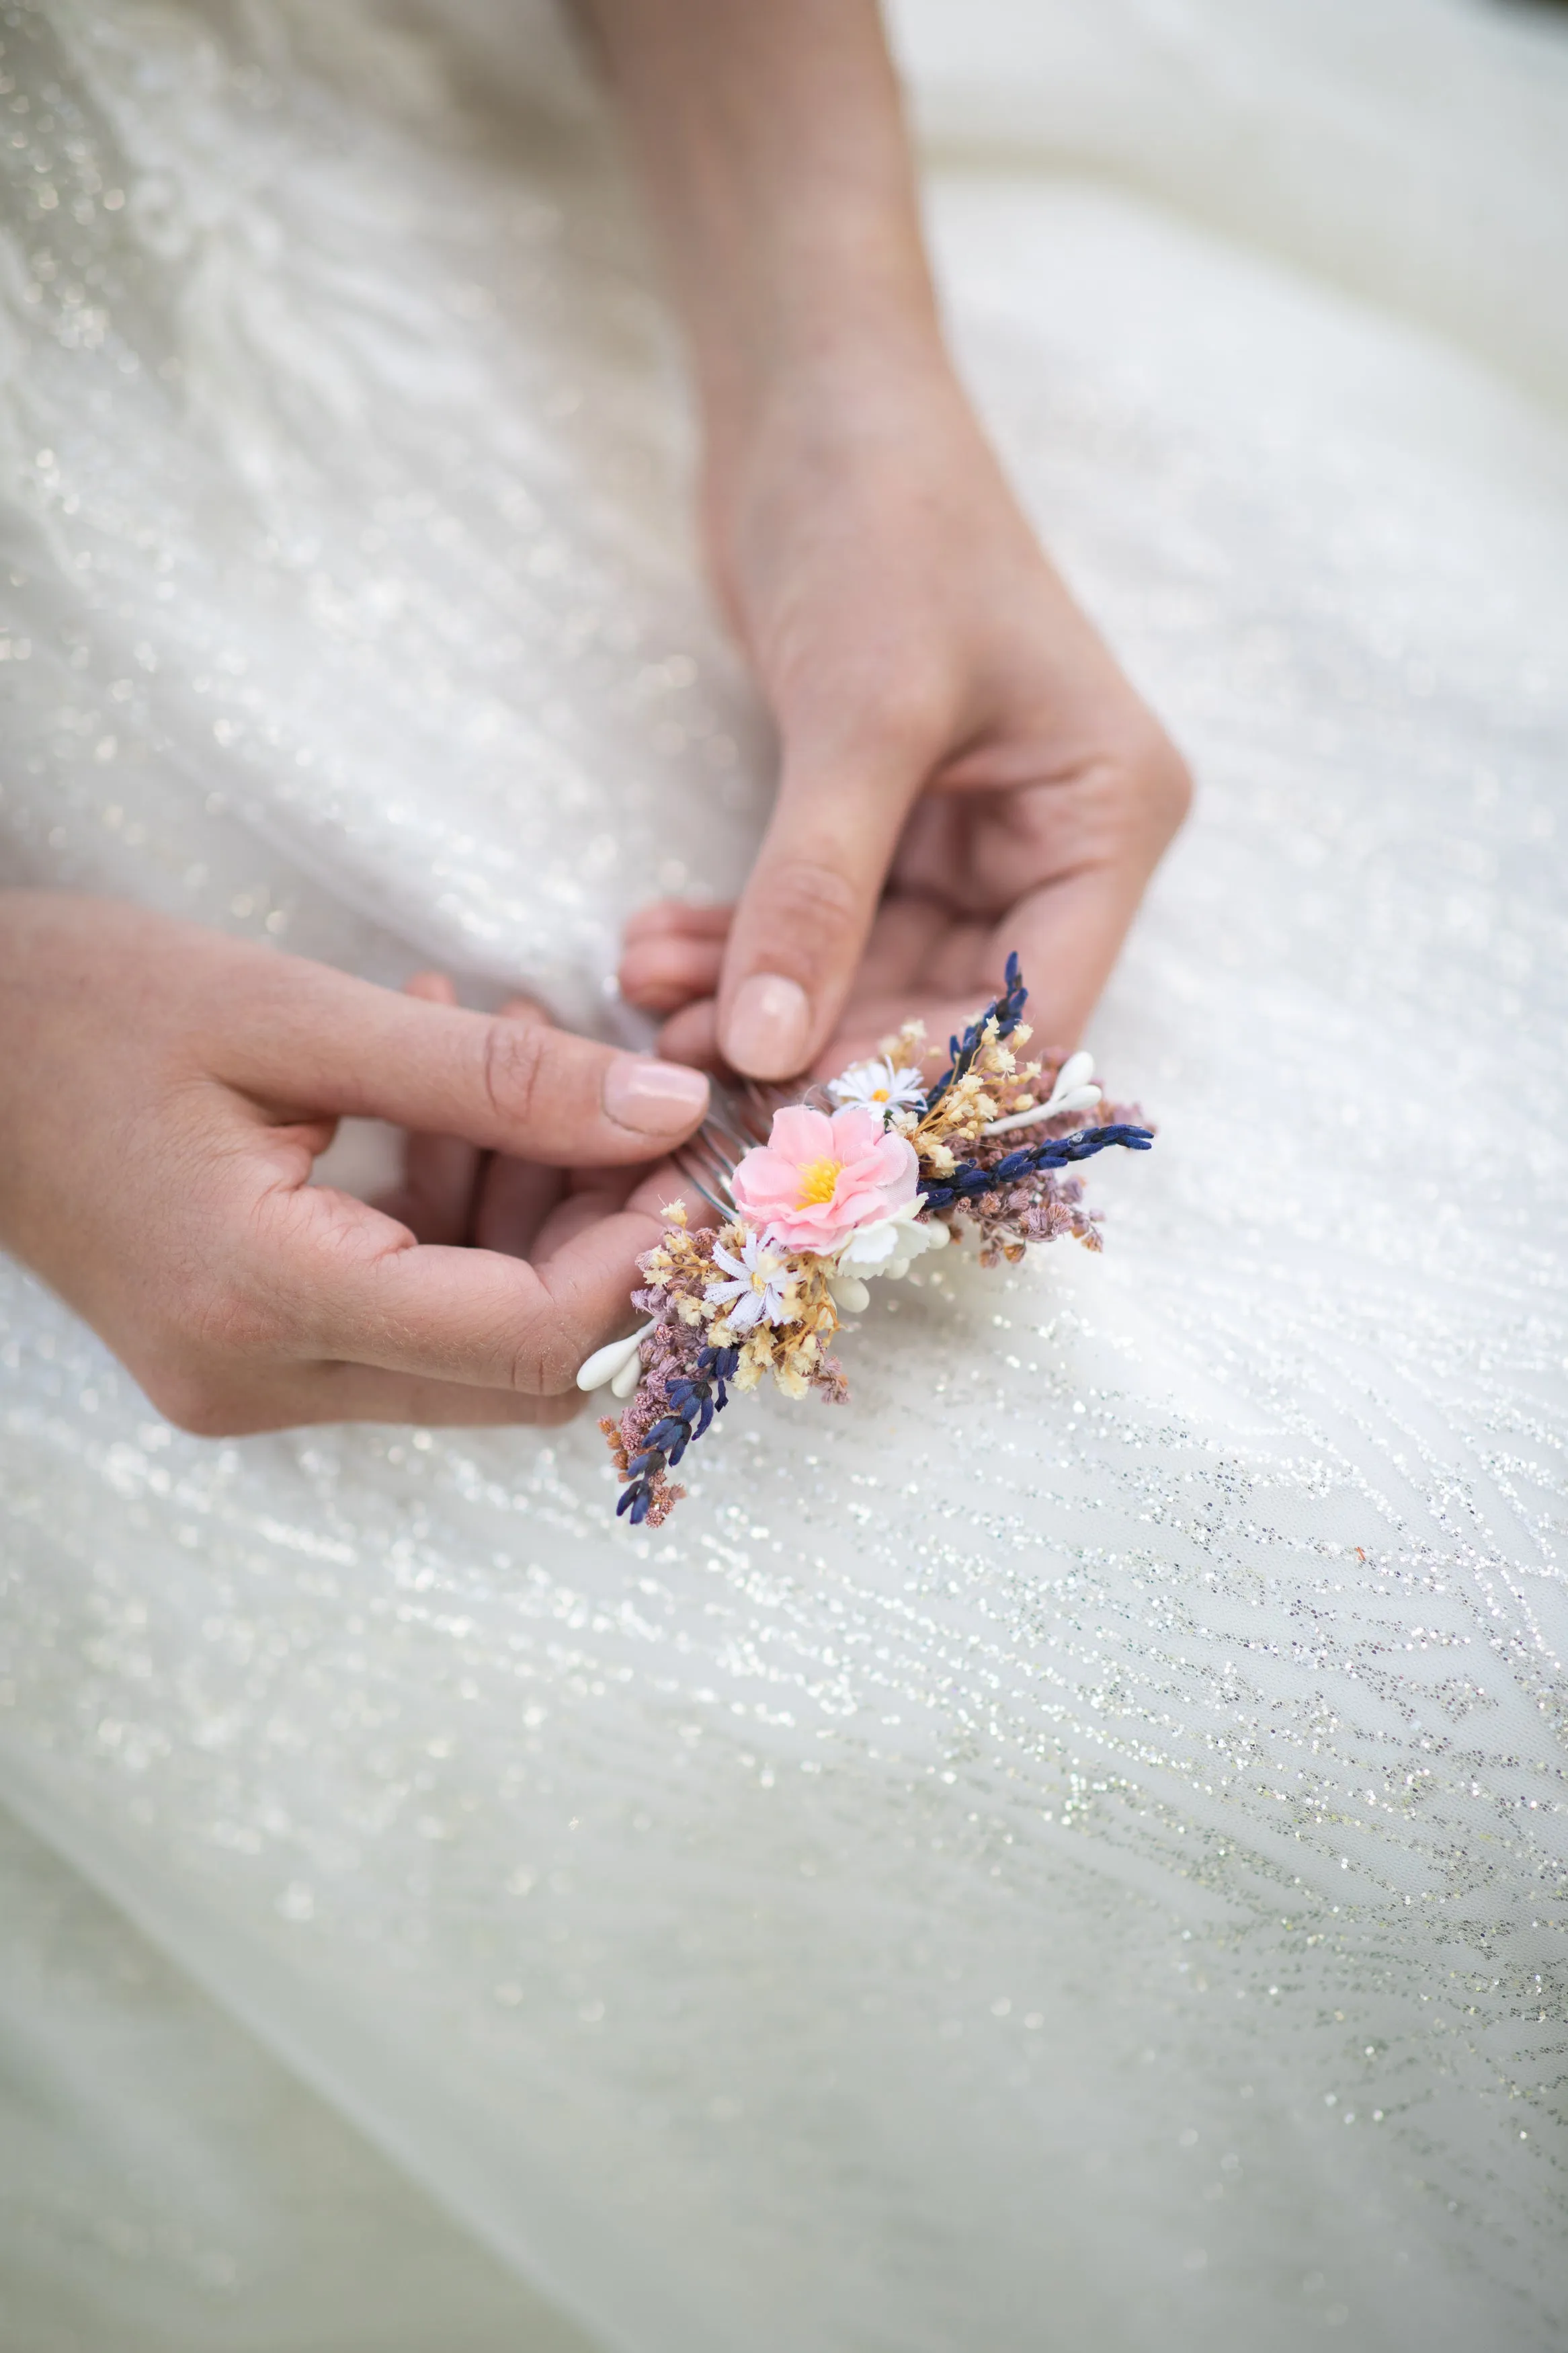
<point x="982" y="869"/>
<point x="979" y="872"/>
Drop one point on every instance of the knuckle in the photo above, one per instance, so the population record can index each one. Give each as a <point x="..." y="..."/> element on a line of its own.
<point x="664" y="919"/>
<point x="1136" y="796"/>
<point x="890" y="719"/>
<point x="916" y="719"/>
<point x="547" y="1353"/>
<point x="546" y="1363"/>
<point x="201" y="1299"/>
<point x="197" y="1403"/>
<point x="1164" y="782"/>
<point x="811" y="899"/>
<point x="238" y="1309"/>
<point x="214" y="1335"/>
<point x="234" y="1325"/>
<point x="513" y="1065"/>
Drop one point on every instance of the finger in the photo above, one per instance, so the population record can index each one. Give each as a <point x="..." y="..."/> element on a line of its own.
<point x="448" y="1194"/>
<point x="308" y="1035"/>
<point x="919" y="943"/>
<point x="665" y="970"/>
<point x="364" y="1393"/>
<point x="922" y="963"/>
<point x="677" y="919"/>
<point x="358" y="1290"/>
<point x="575" y="1213"/>
<point x="662" y="1196"/>
<point x="305" y="1395"/>
<point x="512" y="1198"/>
<point x="692" y="1036"/>
<point x="432" y="987"/>
<point x="525" y="1008"/>
<point x="1069" y="934"/>
<point x="434" y="1199"/>
<point x="515" y="1198"/>
<point x="804" y="915"/>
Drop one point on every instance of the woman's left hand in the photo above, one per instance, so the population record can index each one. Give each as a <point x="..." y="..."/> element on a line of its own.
<point x="965" y="768"/>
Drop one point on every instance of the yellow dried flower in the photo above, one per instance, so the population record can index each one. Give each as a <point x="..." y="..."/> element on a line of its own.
<point x="906" y="1049"/>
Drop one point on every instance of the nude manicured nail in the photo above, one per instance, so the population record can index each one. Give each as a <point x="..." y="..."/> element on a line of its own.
<point x="655" y="1098"/>
<point x="768" y="1033"/>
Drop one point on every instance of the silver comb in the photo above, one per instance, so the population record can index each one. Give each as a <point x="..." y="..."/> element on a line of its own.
<point x="739" y="1119"/>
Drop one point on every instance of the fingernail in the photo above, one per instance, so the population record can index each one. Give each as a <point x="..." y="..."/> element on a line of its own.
<point x="769" y="1029"/>
<point x="655" y="1098"/>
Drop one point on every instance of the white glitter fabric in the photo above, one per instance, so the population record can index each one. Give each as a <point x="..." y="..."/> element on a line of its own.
<point x="1070" y="1850"/>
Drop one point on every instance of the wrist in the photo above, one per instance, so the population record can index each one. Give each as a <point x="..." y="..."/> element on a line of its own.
<point x="813" y="311"/>
<point x="845" y="388"/>
<point x="772" y="147"/>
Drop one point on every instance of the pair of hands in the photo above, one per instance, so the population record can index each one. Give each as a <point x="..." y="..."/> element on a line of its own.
<point x="964" y="771"/>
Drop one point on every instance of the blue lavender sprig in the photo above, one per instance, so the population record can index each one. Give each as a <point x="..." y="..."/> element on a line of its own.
<point x="693" y="1401"/>
<point x="1008" y="1010"/>
<point x="971" y="1178"/>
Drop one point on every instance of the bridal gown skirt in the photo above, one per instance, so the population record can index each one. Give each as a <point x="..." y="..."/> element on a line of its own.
<point x="1067" y="1851"/>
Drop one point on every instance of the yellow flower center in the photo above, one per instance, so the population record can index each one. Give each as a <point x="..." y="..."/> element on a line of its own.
<point x="881" y="1094"/>
<point x="817" y="1179"/>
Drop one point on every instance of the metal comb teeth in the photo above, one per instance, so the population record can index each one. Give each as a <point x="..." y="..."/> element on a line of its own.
<point x="739" y="1118"/>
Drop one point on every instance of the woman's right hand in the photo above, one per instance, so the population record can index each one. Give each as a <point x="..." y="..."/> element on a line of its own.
<point x="163" y="1093"/>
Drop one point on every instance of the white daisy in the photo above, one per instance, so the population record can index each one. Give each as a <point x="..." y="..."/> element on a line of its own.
<point x="755" y="1293"/>
<point x="880" y="1085"/>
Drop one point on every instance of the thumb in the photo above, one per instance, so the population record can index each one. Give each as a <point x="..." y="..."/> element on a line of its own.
<point x="315" y="1038"/>
<point x="804" y="918"/>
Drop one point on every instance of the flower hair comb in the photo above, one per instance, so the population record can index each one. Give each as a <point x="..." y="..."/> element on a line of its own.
<point x="820" y="1194"/>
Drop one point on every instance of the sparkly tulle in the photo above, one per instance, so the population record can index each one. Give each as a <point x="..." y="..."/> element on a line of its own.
<point x="1069" y="1849"/>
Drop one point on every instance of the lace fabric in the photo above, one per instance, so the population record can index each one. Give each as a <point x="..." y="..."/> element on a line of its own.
<point x="1069" y="1849"/>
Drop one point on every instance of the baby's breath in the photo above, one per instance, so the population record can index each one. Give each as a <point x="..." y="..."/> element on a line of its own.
<point x="730" y="1307"/>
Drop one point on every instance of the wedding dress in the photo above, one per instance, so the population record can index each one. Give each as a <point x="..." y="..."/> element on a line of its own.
<point x="1069" y="1849"/>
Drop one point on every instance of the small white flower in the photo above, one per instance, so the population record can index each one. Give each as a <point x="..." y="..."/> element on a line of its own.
<point x="879" y="1085"/>
<point x="888" y="1246"/>
<point x="754" y="1295"/>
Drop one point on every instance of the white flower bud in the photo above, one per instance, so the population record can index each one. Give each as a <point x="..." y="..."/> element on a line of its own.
<point x="1072" y="1091"/>
<point x="606" y="1364"/>
<point x="849" y="1295"/>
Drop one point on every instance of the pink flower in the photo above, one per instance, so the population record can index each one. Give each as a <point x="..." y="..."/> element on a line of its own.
<point x="817" y="1179"/>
